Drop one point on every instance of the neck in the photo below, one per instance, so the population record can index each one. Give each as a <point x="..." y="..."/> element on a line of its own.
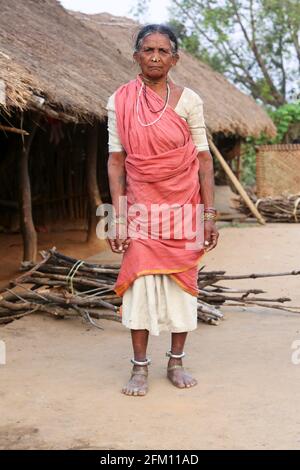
<point x="155" y="84"/>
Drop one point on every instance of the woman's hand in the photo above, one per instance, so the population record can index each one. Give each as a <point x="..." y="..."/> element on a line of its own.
<point x="211" y="235"/>
<point x="121" y="242"/>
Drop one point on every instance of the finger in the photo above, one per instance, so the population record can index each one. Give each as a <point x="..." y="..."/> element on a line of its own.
<point x="206" y="244"/>
<point x="114" y="246"/>
<point x="121" y="245"/>
<point x="126" y="243"/>
<point x="212" y="245"/>
<point x="111" y="244"/>
<point x="215" y="237"/>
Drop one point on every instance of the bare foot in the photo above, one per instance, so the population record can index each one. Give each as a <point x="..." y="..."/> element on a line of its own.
<point x="138" y="384"/>
<point x="178" y="376"/>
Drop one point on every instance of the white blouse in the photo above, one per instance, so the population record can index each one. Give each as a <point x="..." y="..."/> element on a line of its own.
<point x="189" y="107"/>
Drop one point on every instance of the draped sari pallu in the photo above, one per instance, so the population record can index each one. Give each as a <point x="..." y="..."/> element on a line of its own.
<point x="161" y="168"/>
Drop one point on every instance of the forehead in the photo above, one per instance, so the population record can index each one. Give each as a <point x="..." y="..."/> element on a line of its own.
<point x="156" y="40"/>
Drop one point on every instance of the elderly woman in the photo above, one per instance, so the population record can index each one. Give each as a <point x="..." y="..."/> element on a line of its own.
<point x="158" y="153"/>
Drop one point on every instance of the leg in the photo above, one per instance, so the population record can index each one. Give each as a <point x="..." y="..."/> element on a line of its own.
<point x="178" y="376"/>
<point x="137" y="384"/>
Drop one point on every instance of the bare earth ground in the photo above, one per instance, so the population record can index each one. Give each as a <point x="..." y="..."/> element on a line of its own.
<point x="60" y="388"/>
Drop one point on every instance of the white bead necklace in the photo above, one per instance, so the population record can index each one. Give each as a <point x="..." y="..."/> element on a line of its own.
<point x="158" y="118"/>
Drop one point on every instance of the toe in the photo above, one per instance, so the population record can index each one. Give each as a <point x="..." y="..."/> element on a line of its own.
<point x="179" y="383"/>
<point x="190" y="382"/>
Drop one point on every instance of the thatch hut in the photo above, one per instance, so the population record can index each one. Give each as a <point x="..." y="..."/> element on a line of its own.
<point x="57" y="69"/>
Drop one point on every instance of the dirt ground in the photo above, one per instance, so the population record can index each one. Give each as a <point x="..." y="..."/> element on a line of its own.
<point x="60" y="387"/>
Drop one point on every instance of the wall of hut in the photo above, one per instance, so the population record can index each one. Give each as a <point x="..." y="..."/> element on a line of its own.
<point x="57" y="170"/>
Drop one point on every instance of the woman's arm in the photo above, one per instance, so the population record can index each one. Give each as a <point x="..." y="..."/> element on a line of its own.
<point x="116" y="177"/>
<point x="117" y="186"/>
<point x="206" y="168"/>
<point x="207" y="184"/>
<point x="196" y="122"/>
<point x="206" y="178"/>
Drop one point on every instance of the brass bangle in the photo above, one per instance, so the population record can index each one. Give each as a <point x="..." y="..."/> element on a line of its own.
<point x="209" y="216"/>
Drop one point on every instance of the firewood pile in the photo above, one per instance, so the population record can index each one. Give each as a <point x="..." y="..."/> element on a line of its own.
<point x="284" y="208"/>
<point x="62" y="287"/>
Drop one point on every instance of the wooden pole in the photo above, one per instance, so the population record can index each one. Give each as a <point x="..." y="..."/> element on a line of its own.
<point x="236" y="182"/>
<point x="25" y="204"/>
<point x="94" y="199"/>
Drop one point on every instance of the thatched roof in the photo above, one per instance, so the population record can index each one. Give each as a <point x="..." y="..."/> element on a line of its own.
<point x="75" y="61"/>
<point x="62" y="58"/>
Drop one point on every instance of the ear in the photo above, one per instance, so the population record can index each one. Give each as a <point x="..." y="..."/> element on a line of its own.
<point x="136" y="57"/>
<point x="175" y="59"/>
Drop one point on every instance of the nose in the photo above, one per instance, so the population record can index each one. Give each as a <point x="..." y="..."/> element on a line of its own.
<point x="155" y="59"/>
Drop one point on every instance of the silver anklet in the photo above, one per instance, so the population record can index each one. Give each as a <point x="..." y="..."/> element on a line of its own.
<point x="175" y="356"/>
<point x="141" y="363"/>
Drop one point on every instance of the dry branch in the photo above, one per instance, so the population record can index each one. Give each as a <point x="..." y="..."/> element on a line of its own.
<point x="63" y="286"/>
<point x="274" y="209"/>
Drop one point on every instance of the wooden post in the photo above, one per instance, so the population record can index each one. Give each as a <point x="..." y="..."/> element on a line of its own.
<point x="94" y="199"/>
<point x="236" y="182"/>
<point x="25" y="204"/>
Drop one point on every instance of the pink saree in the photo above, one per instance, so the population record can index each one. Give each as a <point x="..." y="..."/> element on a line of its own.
<point x="161" y="167"/>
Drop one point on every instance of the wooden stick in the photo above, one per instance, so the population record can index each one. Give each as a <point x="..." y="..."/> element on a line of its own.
<point x="236" y="183"/>
<point x="13" y="129"/>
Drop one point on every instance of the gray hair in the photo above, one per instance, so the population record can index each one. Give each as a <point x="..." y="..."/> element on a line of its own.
<point x="156" y="28"/>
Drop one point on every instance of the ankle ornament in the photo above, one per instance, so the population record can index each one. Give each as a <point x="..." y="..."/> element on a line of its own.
<point x="175" y="356"/>
<point x="140" y="363"/>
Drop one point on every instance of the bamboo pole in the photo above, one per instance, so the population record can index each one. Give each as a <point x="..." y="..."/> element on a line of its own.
<point x="236" y="182"/>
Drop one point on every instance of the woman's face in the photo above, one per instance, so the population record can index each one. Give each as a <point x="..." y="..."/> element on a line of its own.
<point x="155" y="56"/>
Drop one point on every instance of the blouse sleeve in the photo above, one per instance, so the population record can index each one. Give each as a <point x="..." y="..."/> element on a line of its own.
<point x="195" y="120"/>
<point x="114" y="144"/>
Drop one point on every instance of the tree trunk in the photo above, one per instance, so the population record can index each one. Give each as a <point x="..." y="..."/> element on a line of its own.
<point x="25" y="206"/>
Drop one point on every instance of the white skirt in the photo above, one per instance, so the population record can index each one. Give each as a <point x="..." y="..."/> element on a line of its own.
<point x="155" y="302"/>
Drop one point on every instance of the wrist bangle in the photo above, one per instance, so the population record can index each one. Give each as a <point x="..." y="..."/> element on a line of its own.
<point x="209" y="216"/>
